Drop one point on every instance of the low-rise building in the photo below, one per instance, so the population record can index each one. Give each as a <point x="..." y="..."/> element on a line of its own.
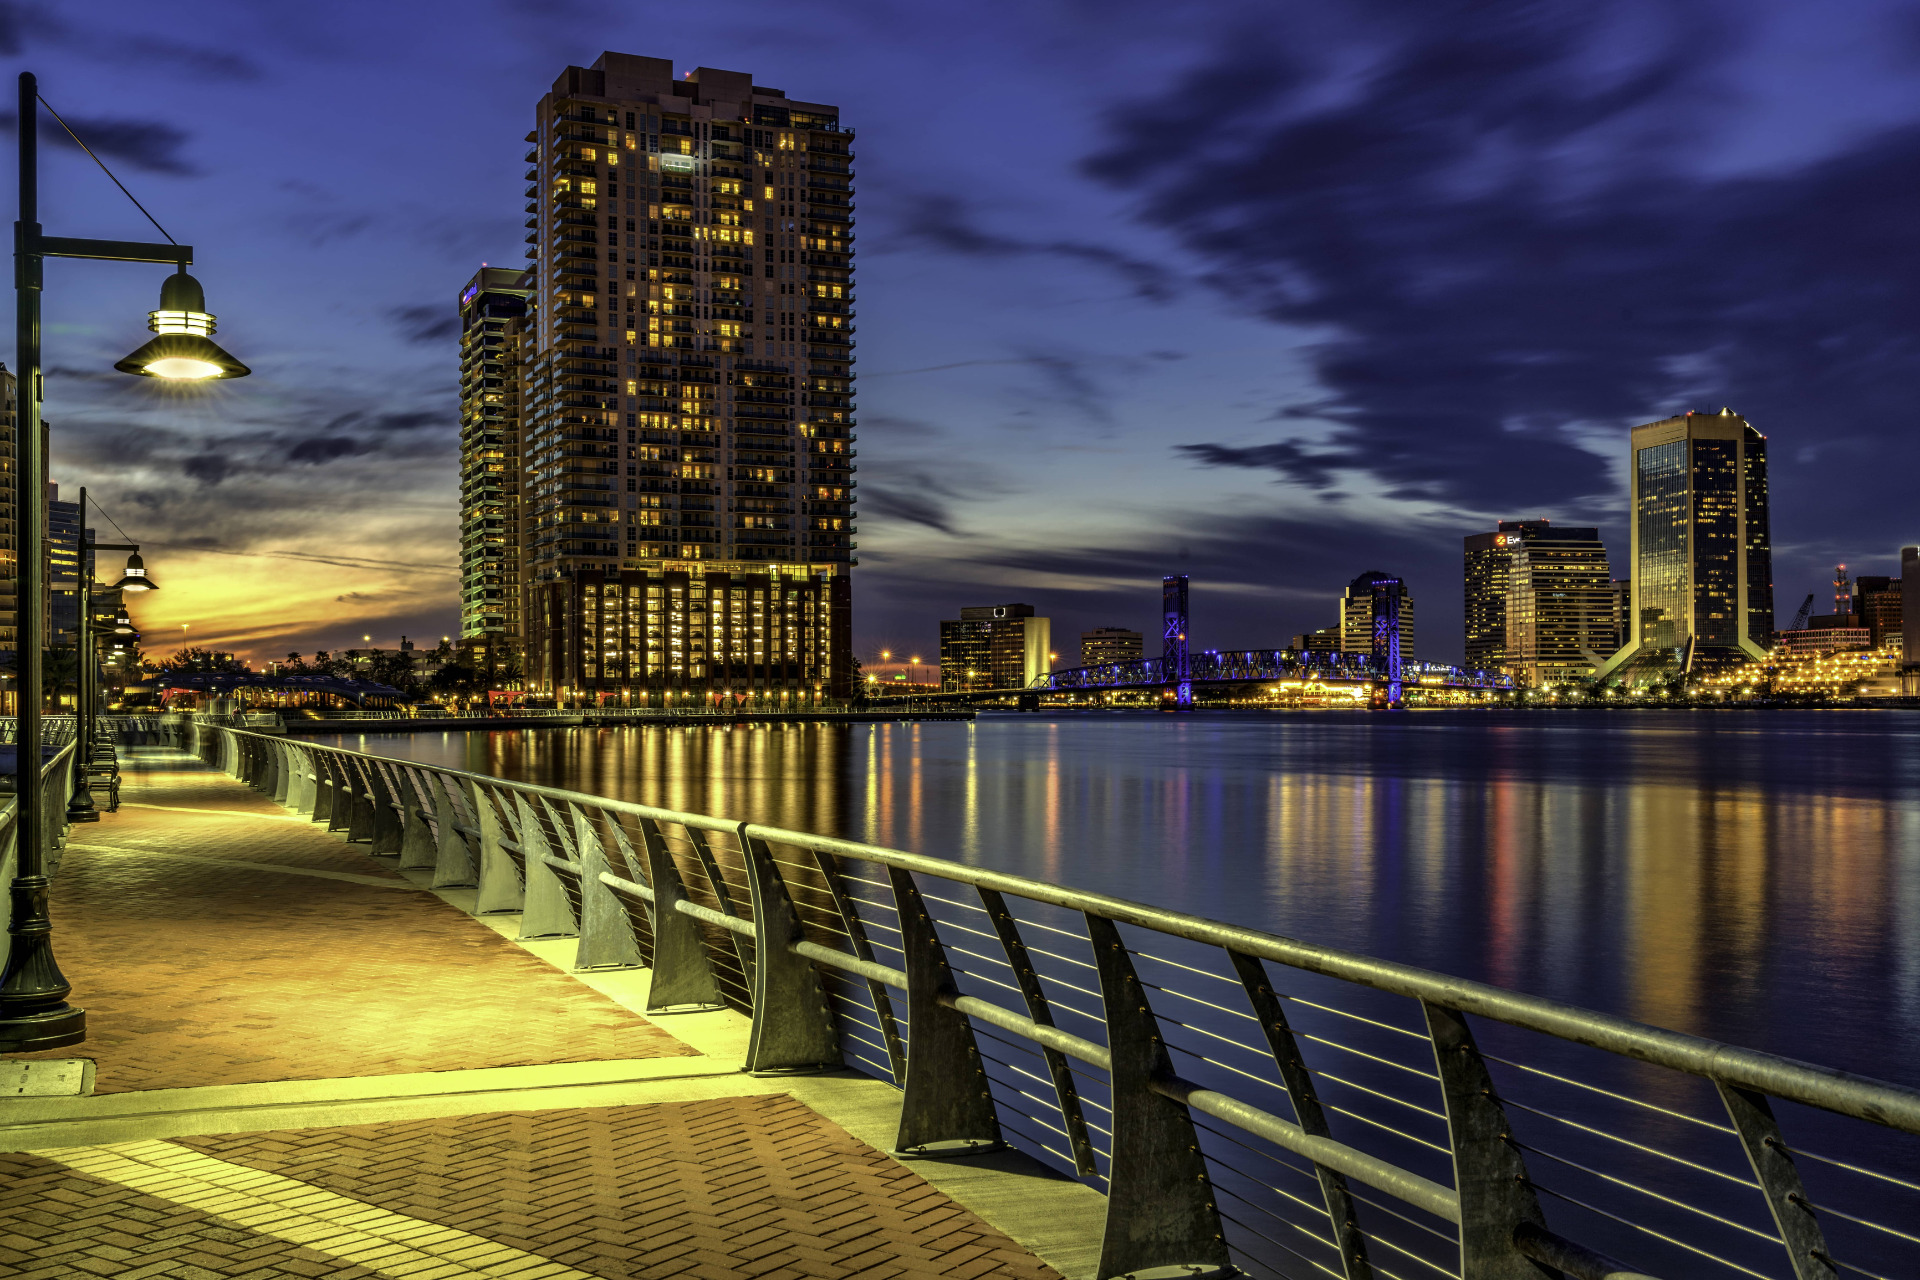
<point x="1325" y="640"/>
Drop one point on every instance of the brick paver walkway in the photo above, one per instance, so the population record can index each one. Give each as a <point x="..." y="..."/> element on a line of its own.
<point x="195" y="969"/>
<point x="213" y="941"/>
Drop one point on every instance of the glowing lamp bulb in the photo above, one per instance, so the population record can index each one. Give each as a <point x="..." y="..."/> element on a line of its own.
<point x="182" y="369"/>
<point x="183" y="349"/>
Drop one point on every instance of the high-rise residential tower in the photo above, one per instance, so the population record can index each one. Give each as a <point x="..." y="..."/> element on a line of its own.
<point x="1702" y="555"/>
<point x="686" y="388"/>
<point x="493" y="330"/>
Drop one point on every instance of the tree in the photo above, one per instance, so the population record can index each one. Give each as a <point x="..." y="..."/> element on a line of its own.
<point x="58" y="668"/>
<point x="394" y="667"/>
<point x="194" y="659"/>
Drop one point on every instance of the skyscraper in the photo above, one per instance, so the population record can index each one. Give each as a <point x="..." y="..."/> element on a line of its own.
<point x="1488" y="556"/>
<point x="1702" y="555"/>
<point x="493" y="330"/>
<point x="63" y="543"/>
<point x="685" y="388"/>
<point x="1358" y="605"/>
<point x="1560" y="605"/>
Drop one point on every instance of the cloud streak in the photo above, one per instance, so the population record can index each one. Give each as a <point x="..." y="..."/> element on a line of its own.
<point x="1499" y="228"/>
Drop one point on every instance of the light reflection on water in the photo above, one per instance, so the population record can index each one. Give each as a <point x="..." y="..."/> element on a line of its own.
<point x="1754" y="877"/>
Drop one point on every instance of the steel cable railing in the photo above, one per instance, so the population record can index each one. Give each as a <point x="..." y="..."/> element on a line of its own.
<point x="1177" y="1065"/>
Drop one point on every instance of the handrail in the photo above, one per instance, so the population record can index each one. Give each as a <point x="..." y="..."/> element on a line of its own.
<point x="731" y="912"/>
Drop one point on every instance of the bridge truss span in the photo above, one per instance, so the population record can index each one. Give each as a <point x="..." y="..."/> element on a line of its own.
<point x="1255" y="666"/>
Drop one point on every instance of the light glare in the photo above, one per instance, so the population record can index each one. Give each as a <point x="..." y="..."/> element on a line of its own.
<point x="183" y="369"/>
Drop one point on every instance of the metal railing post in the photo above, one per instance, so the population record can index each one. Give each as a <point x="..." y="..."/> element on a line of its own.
<point x="1161" y="1211"/>
<point x="325" y="793"/>
<point x="300" y="788"/>
<point x="282" y="769"/>
<point x="387" y="826"/>
<point x="546" y="913"/>
<point x="417" y="852"/>
<point x="1489" y="1176"/>
<point x="357" y="775"/>
<point x="682" y="972"/>
<point x="453" y="860"/>
<point x="1306" y="1109"/>
<point x="1773" y="1169"/>
<point x="792" y="1026"/>
<point x="500" y="887"/>
<point x="948" y="1108"/>
<point x="606" y="940"/>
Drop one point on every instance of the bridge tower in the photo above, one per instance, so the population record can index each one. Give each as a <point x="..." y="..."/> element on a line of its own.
<point x="1173" y="651"/>
<point x="1386" y="634"/>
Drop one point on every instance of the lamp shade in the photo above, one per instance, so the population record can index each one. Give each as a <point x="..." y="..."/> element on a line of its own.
<point x="136" y="579"/>
<point x="185" y="350"/>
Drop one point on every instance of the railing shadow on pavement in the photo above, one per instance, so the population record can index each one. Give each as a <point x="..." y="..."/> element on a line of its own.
<point x="1244" y="1100"/>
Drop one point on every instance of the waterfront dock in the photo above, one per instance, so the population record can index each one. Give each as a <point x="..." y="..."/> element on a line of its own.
<point x="306" y="1062"/>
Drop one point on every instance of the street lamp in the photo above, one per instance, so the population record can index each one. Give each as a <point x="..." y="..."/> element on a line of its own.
<point x="136" y="578"/>
<point x="80" y="806"/>
<point x="34" y="1013"/>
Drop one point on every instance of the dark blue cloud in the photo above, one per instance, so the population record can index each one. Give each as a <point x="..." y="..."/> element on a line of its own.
<point x="1504" y="225"/>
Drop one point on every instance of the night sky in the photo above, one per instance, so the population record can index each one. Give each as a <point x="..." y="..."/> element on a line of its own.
<point x="1270" y="296"/>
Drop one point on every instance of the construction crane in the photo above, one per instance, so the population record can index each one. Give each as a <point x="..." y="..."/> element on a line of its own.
<point x="1800" y="618"/>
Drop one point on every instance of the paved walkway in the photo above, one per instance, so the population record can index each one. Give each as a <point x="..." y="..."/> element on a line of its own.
<point x="308" y="1064"/>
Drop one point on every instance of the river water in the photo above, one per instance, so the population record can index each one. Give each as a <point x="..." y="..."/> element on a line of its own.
<point x="1750" y="876"/>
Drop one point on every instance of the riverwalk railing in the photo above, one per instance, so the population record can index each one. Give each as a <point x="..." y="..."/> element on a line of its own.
<point x="1242" y="1099"/>
<point x="56" y="785"/>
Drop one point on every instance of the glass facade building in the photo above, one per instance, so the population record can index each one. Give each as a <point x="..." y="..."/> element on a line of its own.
<point x="1702" y="584"/>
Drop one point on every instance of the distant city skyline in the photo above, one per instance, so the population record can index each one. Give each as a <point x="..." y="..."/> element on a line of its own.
<point x="1204" y="315"/>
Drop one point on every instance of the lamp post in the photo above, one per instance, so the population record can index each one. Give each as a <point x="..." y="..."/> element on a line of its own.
<point x="34" y="1013"/>
<point x="80" y="806"/>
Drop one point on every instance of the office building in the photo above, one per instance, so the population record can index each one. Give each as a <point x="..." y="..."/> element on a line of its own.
<point x="1702" y="559"/>
<point x="1359" y="604"/>
<point x="63" y="570"/>
<point x="1877" y="607"/>
<point x="1560" y="605"/>
<point x="1622" y="612"/>
<point x="1002" y="646"/>
<point x="494" y="330"/>
<point x="1910" y="620"/>
<point x="9" y="528"/>
<point x="1488" y="556"/>
<point x="1105" y="645"/>
<point x="1325" y="640"/>
<point x="684" y="377"/>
